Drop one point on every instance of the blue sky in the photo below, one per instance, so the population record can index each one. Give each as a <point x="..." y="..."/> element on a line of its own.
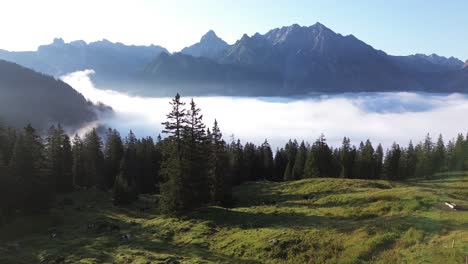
<point x="397" y="27"/>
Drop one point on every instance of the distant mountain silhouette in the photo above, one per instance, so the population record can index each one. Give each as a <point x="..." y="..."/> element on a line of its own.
<point x="428" y="63"/>
<point x="30" y="97"/>
<point x="292" y="60"/>
<point x="111" y="61"/>
<point x="298" y="60"/>
<point x="210" y="46"/>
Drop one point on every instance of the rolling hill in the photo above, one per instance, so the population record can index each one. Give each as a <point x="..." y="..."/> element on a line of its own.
<point x="322" y="220"/>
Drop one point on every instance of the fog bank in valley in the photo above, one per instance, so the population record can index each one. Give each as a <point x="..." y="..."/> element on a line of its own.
<point x="381" y="117"/>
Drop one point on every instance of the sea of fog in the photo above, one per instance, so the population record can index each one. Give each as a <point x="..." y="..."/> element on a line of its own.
<point x="380" y="117"/>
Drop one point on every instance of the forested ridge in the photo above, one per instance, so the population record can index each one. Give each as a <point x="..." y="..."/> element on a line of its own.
<point x="27" y="96"/>
<point x="192" y="165"/>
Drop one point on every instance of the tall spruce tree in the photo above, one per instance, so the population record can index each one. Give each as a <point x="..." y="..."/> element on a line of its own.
<point x="28" y="166"/>
<point x="125" y="191"/>
<point x="236" y="162"/>
<point x="411" y="160"/>
<point x="196" y="151"/>
<point x="175" y="189"/>
<point x="378" y="158"/>
<point x="299" y="163"/>
<point x="218" y="167"/>
<point x="59" y="159"/>
<point x="347" y="157"/>
<point x="439" y="156"/>
<point x="425" y="166"/>
<point x="266" y="161"/>
<point x="113" y="154"/>
<point x="391" y="165"/>
<point x="78" y="168"/>
<point x="250" y="162"/>
<point x="148" y="160"/>
<point x="93" y="160"/>
<point x="291" y="149"/>
<point x="280" y="164"/>
<point x="321" y="161"/>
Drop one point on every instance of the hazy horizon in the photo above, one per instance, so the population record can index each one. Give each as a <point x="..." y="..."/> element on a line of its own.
<point x="381" y="117"/>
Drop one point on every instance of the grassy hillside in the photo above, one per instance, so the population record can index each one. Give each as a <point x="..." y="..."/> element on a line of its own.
<point x="308" y="221"/>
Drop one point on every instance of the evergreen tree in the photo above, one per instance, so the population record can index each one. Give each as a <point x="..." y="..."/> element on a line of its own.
<point x="425" y="166"/>
<point x="27" y="166"/>
<point x="299" y="163"/>
<point x="78" y="168"/>
<point x="291" y="149"/>
<point x="236" y="162"/>
<point x="196" y="151"/>
<point x="93" y="160"/>
<point x="266" y="161"/>
<point x="220" y="189"/>
<point x="148" y="166"/>
<point x="7" y="143"/>
<point x="321" y="161"/>
<point x="347" y="156"/>
<point x="365" y="162"/>
<point x="280" y="164"/>
<point x="59" y="159"/>
<point x="250" y="162"/>
<point x="175" y="190"/>
<point x="175" y="194"/>
<point x="378" y="158"/>
<point x="125" y="191"/>
<point x="439" y="156"/>
<point x="113" y="154"/>
<point x="3" y="144"/>
<point x="391" y="165"/>
<point x="451" y="156"/>
<point x="411" y="161"/>
<point x="129" y="165"/>
<point x="175" y="124"/>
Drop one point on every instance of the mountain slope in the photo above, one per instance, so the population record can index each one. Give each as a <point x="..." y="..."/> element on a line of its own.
<point x="210" y="46"/>
<point x="30" y="97"/>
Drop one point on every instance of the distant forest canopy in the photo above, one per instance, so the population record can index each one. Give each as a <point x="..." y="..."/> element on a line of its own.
<point x="193" y="165"/>
<point x="30" y="97"/>
<point x="286" y="61"/>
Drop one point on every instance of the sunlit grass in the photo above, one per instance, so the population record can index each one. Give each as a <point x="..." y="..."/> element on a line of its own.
<point x="308" y="221"/>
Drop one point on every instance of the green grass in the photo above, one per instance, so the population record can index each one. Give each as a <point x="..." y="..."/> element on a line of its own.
<point x="308" y="221"/>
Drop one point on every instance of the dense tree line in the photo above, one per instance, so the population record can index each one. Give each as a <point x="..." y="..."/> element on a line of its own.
<point x="193" y="166"/>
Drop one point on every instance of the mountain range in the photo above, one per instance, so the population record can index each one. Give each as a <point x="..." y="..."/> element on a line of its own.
<point x="292" y="60"/>
<point x="112" y="62"/>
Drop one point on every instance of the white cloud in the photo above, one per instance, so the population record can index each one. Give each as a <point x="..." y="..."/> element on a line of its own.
<point x="381" y="117"/>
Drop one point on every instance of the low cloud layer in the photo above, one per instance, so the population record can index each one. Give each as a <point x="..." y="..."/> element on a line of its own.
<point x="381" y="117"/>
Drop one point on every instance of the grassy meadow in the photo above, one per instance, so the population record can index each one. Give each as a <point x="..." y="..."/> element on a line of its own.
<point x="323" y="220"/>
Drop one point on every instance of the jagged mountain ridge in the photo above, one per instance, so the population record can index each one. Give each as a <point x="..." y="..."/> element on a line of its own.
<point x="301" y="60"/>
<point x="110" y="61"/>
<point x="210" y="46"/>
<point x="291" y="60"/>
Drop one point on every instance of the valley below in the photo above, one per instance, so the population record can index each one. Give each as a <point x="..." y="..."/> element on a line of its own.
<point x="382" y="117"/>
